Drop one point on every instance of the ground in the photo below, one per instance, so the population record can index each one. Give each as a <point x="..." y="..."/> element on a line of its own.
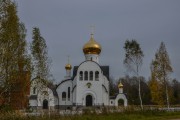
<point x="126" y="115"/>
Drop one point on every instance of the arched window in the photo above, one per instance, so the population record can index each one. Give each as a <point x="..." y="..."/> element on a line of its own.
<point x="68" y="93"/>
<point x="86" y="75"/>
<point x="97" y="75"/>
<point x="91" y="75"/>
<point x="63" y="96"/>
<point x="34" y="90"/>
<point x="81" y="75"/>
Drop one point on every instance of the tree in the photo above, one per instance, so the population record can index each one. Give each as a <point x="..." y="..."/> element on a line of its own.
<point x="8" y="43"/>
<point x="176" y="91"/>
<point x="113" y="87"/>
<point x="155" y="86"/>
<point x="160" y="70"/>
<point x="14" y="59"/>
<point x="133" y="60"/>
<point x="40" y="55"/>
<point x="41" y="61"/>
<point x="131" y="89"/>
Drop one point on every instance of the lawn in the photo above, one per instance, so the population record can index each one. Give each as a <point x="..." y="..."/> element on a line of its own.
<point x="139" y="115"/>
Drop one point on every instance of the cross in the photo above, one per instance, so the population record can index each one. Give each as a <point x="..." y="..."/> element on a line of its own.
<point x="92" y="29"/>
<point x="68" y="59"/>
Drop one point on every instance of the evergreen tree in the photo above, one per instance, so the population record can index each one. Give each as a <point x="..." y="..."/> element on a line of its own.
<point x="133" y="60"/>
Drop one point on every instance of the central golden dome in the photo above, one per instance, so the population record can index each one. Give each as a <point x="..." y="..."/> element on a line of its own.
<point x="92" y="47"/>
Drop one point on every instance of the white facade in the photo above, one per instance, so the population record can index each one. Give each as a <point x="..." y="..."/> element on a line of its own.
<point x="41" y="96"/>
<point x="95" y="85"/>
<point x="88" y="86"/>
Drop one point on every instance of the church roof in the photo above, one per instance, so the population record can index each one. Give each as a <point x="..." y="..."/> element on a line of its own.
<point x="53" y="88"/>
<point x="33" y="97"/>
<point x="105" y="70"/>
<point x="62" y="82"/>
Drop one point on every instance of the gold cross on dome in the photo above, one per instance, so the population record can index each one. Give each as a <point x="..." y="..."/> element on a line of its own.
<point x="92" y="29"/>
<point x="68" y="59"/>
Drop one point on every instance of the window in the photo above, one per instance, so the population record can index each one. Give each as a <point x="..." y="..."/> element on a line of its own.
<point x="91" y="75"/>
<point x="85" y="75"/>
<point x="81" y="75"/>
<point x="34" y="90"/>
<point x="96" y="75"/>
<point x="63" y="96"/>
<point x="68" y="93"/>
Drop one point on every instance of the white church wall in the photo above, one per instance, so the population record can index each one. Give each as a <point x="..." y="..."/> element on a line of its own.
<point x="33" y="103"/>
<point x="42" y="92"/>
<point x="63" y="87"/>
<point x="95" y="88"/>
<point x="105" y="96"/>
<point x="121" y="96"/>
<point x="111" y="102"/>
<point x="46" y="94"/>
<point x="74" y="90"/>
<point x="105" y="90"/>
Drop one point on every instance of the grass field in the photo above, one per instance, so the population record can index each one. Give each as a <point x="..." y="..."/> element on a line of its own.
<point x="139" y="115"/>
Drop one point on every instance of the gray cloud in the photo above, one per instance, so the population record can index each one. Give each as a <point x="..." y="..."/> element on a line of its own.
<point x="65" y="26"/>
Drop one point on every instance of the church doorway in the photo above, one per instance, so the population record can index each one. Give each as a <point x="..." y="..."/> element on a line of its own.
<point x="120" y="102"/>
<point x="45" y="104"/>
<point x="89" y="100"/>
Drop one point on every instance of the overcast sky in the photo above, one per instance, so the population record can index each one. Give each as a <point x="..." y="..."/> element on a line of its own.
<point x="65" y="25"/>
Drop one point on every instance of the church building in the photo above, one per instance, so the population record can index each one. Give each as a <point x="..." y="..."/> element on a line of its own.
<point x="85" y="86"/>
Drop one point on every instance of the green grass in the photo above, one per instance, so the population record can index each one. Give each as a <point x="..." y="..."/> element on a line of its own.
<point x="128" y="115"/>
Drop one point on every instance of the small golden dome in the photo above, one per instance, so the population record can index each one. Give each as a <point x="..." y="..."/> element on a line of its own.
<point x="92" y="47"/>
<point x="120" y="85"/>
<point x="68" y="67"/>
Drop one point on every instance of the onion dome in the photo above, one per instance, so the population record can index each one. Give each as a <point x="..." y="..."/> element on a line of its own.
<point x="120" y="85"/>
<point x="68" y="67"/>
<point x="92" y="47"/>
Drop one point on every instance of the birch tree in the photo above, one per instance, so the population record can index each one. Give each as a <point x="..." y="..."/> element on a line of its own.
<point x="161" y="70"/>
<point x="133" y="61"/>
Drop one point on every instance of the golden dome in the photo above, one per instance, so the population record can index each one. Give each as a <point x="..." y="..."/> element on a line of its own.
<point x="92" y="47"/>
<point x="120" y="85"/>
<point x="68" y="67"/>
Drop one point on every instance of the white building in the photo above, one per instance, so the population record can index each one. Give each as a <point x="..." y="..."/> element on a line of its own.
<point x="87" y="86"/>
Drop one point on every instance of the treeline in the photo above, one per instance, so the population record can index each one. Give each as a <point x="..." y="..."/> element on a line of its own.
<point x="18" y="63"/>
<point x="131" y="90"/>
<point x="160" y="89"/>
